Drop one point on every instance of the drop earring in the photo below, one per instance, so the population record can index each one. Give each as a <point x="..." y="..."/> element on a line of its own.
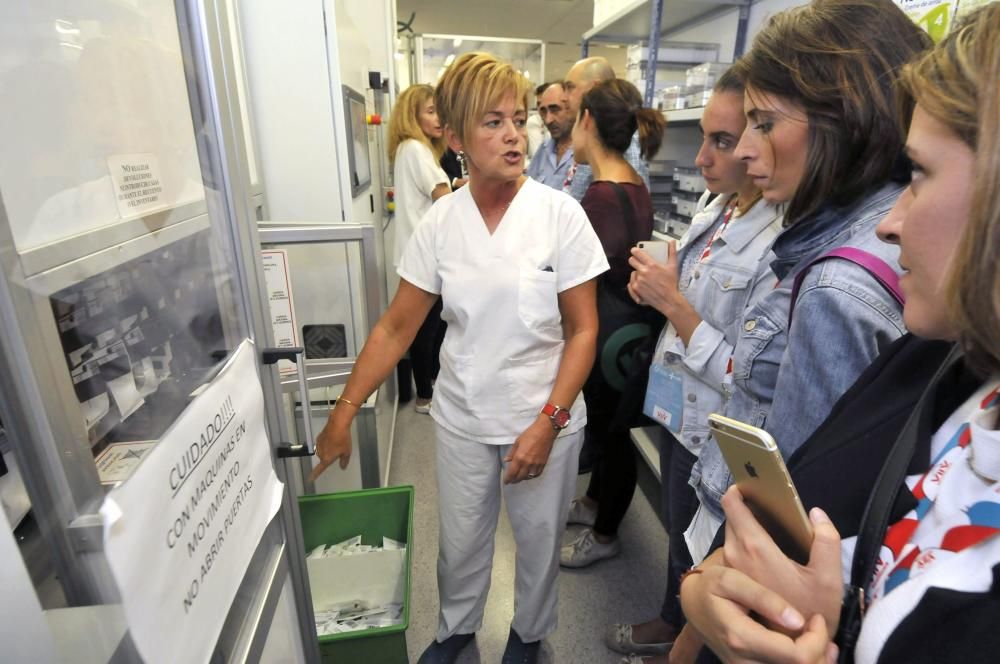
<point x="462" y="163"/>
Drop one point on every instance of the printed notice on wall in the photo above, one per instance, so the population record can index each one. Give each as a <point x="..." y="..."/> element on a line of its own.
<point x="279" y="297"/>
<point x="119" y="460"/>
<point x="138" y="183"/>
<point x="934" y="16"/>
<point x="180" y="532"/>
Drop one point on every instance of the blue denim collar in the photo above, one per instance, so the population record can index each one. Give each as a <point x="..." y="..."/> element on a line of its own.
<point x="812" y="236"/>
<point x="750" y="225"/>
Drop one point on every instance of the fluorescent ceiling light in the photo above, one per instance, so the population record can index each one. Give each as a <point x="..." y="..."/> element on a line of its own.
<point x="450" y="59"/>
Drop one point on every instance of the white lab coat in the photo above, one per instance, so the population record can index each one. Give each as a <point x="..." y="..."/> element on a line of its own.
<point x="415" y="173"/>
<point x="499" y="362"/>
<point x="504" y="343"/>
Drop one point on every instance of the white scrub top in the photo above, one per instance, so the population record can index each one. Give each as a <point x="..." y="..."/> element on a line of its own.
<point x="415" y="173"/>
<point x="504" y="343"/>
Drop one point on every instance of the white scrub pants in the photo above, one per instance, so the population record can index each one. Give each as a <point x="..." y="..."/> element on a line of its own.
<point x="470" y="482"/>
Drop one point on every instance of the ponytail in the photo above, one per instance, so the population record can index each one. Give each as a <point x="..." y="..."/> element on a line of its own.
<point x="616" y="107"/>
<point x="651" y="126"/>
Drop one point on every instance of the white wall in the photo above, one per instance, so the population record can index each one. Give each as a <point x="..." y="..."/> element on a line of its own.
<point x="289" y="79"/>
<point x="298" y="55"/>
<point x="365" y="44"/>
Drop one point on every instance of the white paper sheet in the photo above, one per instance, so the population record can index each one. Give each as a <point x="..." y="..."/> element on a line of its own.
<point x="180" y="533"/>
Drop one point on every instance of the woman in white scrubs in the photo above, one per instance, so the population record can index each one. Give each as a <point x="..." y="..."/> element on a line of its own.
<point x="416" y="143"/>
<point x="514" y="262"/>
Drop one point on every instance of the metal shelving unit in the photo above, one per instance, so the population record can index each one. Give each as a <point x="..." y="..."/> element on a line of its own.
<point x="634" y="21"/>
<point x="651" y="19"/>
<point x="686" y="116"/>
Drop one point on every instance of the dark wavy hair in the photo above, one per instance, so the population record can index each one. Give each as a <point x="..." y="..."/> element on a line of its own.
<point x="838" y="60"/>
<point x="616" y="107"/>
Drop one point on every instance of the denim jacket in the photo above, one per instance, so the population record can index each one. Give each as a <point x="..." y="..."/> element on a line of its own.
<point x="787" y="380"/>
<point x="735" y="276"/>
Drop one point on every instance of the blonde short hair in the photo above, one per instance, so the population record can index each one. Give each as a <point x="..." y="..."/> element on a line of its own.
<point x="958" y="84"/>
<point x="473" y="85"/>
<point x="404" y="123"/>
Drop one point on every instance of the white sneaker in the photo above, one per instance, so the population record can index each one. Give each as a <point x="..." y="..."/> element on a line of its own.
<point x="580" y="513"/>
<point x="586" y="550"/>
<point x="422" y="405"/>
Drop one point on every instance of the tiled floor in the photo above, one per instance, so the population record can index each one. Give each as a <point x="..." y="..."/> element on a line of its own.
<point x="626" y="588"/>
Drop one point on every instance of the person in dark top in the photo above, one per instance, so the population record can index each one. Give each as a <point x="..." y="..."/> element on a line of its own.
<point x="453" y="167"/>
<point x="620" y="210"/>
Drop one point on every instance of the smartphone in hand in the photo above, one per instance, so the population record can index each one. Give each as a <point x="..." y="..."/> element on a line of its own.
<point x="759" y="472"/>
<point x="657" y="249"/>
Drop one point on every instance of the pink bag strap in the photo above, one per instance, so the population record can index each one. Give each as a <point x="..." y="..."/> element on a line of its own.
<point x="872" y="264"/>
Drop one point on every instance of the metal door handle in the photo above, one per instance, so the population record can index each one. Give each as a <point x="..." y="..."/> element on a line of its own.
<point x="297" y="355"/>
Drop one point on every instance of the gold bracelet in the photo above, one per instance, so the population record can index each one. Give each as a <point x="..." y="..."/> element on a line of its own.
<point x="347" y="401"/>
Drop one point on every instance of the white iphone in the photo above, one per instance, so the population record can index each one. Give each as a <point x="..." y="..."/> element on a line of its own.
<point x="657" y="249"/>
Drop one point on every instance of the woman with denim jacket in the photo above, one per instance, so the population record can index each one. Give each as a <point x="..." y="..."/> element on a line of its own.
<point x="822" y="137"/>
<point x="718" y="269"/>
<point x="929" y="537"/>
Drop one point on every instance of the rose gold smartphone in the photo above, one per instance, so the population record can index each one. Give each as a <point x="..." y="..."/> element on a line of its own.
<point x="759" y="472"/>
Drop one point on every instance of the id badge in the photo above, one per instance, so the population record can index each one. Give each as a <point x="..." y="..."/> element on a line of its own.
<point x="665" y="397"/>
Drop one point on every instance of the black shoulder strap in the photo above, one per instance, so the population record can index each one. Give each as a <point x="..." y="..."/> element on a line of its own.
<point x="631" y="222"/>
<point x="875" y="521"/>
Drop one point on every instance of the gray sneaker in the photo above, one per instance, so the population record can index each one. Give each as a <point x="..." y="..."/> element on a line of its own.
<point x="581" y="514"/>
<point x="619" y="639"/>
<point x="586" y="550"/>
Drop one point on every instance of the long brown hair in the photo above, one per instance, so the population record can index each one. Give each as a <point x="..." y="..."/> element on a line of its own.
<point x="958" y="84"/>
<point x="838" y="61"/>
<point x="616" y="107"/>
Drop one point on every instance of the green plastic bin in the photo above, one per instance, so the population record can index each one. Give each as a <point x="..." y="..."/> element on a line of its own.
<point x="374" y="513"/>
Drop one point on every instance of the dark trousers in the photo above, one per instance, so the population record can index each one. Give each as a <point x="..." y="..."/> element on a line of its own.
<point x="425" y="351"/>
<point x="613" y="478"/>
<point x="679" y="503"/>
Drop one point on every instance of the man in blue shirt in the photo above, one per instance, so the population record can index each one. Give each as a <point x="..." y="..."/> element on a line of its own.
<point x="551" y="164"/>
<point x="581" y="77"/>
